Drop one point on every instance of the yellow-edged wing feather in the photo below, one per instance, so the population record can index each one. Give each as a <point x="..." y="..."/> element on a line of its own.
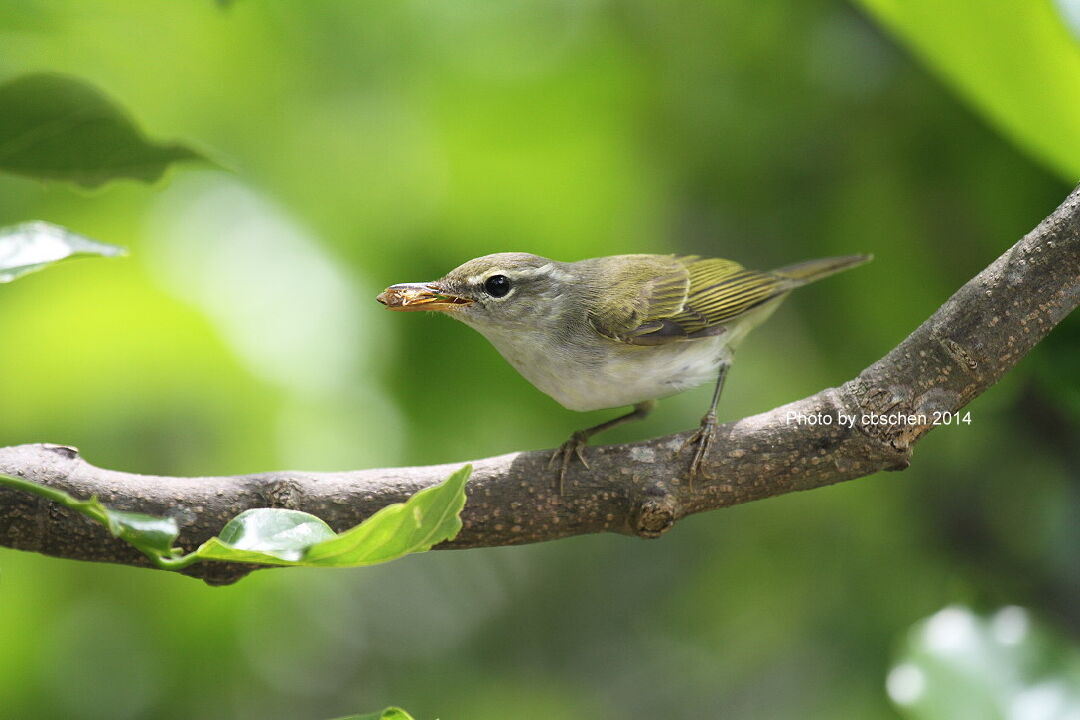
<point x="687" y="297"/>
<point x="722" y="290"/>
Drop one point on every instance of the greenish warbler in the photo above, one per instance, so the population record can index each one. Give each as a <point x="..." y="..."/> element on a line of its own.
<point x="614" y="331"/>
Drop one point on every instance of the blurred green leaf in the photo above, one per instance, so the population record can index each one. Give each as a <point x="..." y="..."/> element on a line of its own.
<point x="55" y="127"/>
<point x="390" y="713"/>
<point x="32" y="246"/>
<point x="1015" y="60"/>
<point x="274" y="536"/>
<point x="956" y="665"/>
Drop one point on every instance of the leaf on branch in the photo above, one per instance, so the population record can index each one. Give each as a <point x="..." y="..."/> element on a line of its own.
<point x="153" y="536"/>
<point x="55" y="127"/>
<point x="275" y="536"/>
<point x="390" y="713"/>
<point x="34" y="245"/>
<point x="283" y="534"/>
<point x="150" y="534"/>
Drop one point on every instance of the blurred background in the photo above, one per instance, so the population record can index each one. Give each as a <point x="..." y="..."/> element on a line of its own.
<point x="382" y="142"/>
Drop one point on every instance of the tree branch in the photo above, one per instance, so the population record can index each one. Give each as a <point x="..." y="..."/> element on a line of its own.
<point x="638" y="489"/>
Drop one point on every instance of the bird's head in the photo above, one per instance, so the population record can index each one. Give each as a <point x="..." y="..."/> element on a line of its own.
<point x="500" y="291"/>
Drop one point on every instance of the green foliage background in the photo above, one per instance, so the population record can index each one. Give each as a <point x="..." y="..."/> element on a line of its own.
<point x="386" y="141"/>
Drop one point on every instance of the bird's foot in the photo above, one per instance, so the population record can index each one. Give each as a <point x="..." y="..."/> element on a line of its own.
<point x="566" y="453"/>
<point x="702" y="439"/>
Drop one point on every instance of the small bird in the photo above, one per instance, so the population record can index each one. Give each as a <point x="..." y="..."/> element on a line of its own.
<point x="614" y="331"/>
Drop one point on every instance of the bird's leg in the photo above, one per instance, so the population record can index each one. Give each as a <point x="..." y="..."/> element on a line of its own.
<point x="580" y="438"/>
<point x="704" y="434"/>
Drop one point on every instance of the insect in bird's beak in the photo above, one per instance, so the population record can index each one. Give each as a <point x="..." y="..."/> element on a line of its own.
<point x="419" y="296"/>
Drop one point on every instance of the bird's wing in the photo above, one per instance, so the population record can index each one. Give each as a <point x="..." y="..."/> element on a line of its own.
<point x="631" y="307"/>
<point x="690" y="298"/>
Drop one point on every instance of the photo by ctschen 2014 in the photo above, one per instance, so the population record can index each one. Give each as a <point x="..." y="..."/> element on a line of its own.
<point x="937" y="417"/>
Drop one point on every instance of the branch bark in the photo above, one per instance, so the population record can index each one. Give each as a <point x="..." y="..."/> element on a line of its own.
<point x="640" y="489"/>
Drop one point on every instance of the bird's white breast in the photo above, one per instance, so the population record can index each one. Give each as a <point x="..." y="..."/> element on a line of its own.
<point x="615" y="376"/>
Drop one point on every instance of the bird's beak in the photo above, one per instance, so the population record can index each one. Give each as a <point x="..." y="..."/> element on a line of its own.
<point x="419" y="296"/>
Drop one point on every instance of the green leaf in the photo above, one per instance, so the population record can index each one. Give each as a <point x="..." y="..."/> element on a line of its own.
<point x="429" y="517"/>
<point x="153" y="536"/>
<point x="1014" y="60"/>
<point x="150" y="534"/>
<point x="283" y="533"/>
<point x="266" y="535"/>
<point x="273" y="536"/>
<point x="34" y="245"/>
<point x="390" y="713"/>
<point x="289" y="537"/>
<point x="55" y="127"/>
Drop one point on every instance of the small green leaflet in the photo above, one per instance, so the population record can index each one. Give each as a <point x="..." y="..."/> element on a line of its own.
<point x="56" y="127"/>
<point x="390" y="713"/>
<point x="31" y="246"/>
<point x="274" y="536"/>
<point x="153" y="536"/>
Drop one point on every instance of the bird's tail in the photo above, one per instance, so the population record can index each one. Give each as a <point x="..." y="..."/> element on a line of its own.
<point x="813" y="270"/>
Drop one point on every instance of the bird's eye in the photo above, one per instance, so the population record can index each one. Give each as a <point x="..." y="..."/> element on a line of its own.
<point x="497" y="285"/>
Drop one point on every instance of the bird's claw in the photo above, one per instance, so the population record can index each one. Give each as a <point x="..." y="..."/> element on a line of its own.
<point x="702" y="438"/>
<point x="565" y="454"/>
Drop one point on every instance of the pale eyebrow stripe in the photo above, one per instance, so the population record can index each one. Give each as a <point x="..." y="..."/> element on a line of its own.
<point x="528" y="273"/>
<point x="549" y="269"/>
